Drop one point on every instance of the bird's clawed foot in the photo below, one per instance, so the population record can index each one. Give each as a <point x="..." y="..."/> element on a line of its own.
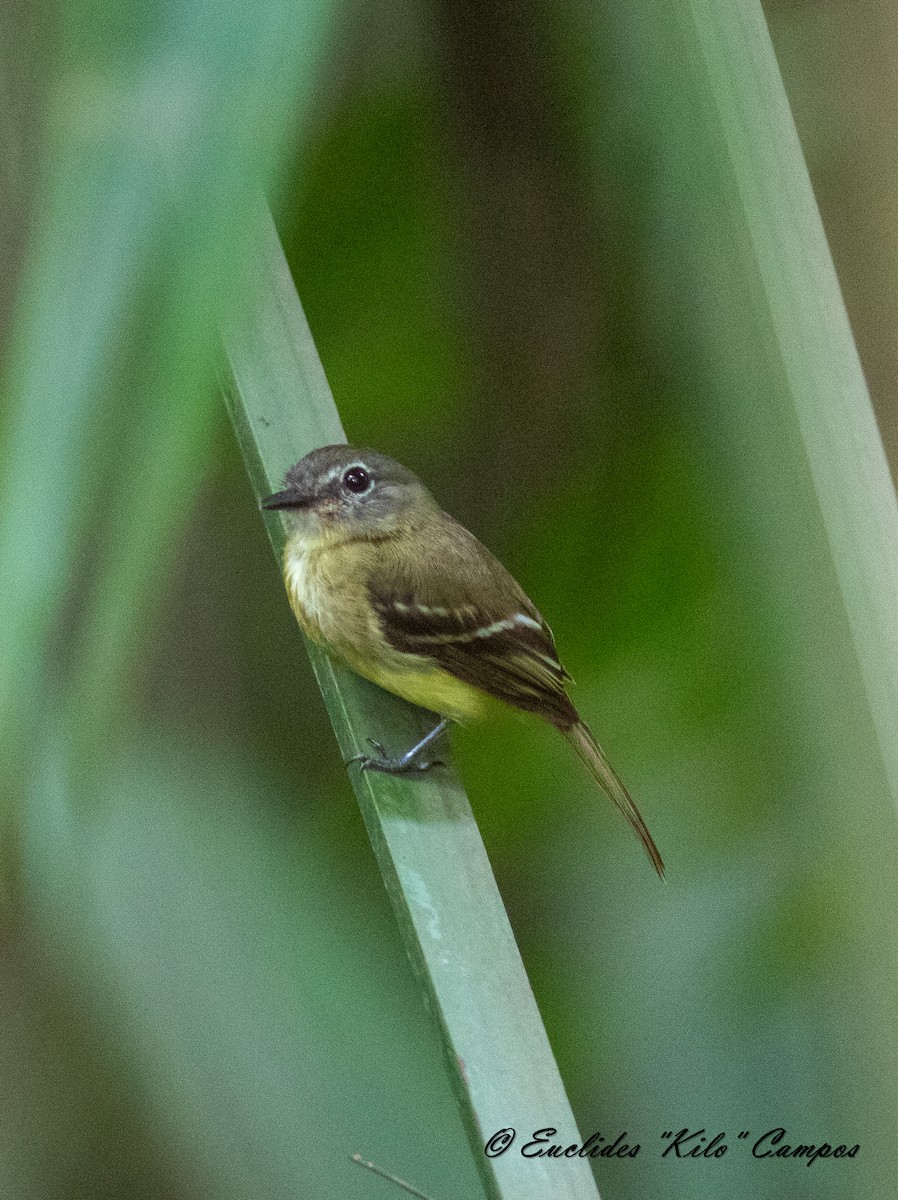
<point x="404" y="764"/>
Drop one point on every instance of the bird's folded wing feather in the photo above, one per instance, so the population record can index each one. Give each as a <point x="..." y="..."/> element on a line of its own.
<point x="461" y="609"/>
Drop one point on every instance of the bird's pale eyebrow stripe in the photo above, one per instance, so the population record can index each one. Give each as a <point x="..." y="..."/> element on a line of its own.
<point x="335" y="471"/>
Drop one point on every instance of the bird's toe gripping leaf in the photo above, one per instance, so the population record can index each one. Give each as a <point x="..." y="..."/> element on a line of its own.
<point x="404" y="764"/>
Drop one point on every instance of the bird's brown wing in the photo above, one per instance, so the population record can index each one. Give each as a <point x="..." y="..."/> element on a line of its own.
<point x="458" y="606"/>
<point x="463" y="610"/>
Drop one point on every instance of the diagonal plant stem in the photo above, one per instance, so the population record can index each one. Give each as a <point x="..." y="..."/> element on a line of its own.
<point x="423" y="832"/>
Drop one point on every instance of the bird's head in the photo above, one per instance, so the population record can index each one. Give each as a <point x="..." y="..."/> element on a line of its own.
<point x="340" y="491"/>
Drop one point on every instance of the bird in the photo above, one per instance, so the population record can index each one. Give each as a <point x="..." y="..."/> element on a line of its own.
<point x="400" y="592"/>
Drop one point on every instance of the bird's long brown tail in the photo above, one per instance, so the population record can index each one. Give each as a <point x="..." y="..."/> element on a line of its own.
<point x="581" y="738"/>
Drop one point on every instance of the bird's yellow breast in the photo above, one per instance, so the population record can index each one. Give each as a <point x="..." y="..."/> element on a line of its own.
<point x="327" y="588"/>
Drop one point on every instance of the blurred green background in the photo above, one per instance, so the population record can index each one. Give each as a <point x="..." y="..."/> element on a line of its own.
<point x="500" y="253"/>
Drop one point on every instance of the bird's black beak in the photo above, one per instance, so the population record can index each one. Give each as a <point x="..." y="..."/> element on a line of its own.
<point x="287" y="499"/>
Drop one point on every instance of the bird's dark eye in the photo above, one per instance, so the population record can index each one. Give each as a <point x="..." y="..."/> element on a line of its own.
<point x="356" y="480"/>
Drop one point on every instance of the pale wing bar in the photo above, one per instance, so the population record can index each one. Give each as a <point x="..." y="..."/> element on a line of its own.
<point x="510" y="656"/>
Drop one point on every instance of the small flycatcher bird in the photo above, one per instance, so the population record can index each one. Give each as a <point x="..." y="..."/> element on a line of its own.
<point x="396" y="589"/>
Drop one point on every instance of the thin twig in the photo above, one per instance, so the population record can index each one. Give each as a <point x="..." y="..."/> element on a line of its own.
<point x="406" y="1187"/>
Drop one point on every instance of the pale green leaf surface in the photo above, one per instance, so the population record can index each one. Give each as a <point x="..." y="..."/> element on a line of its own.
<point x="422" y="829"/>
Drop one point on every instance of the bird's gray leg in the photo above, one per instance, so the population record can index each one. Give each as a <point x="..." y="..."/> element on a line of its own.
<point x="405" y="762"/>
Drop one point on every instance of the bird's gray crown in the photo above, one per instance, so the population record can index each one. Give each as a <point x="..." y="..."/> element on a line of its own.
<point x="347" y="484"/>
<point x="314" y="474"/>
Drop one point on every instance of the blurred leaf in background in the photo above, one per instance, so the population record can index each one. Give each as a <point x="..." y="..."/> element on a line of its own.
<point x="168" y="1059"/>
